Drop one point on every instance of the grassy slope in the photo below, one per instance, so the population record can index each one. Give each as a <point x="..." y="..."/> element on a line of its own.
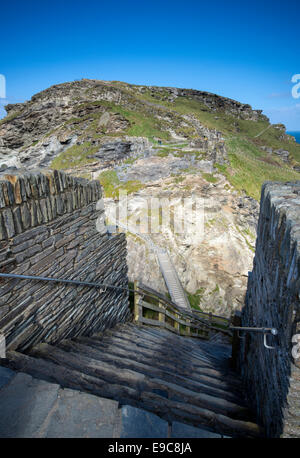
<point x="112" y="185"/>
<point x="249" y="165"/>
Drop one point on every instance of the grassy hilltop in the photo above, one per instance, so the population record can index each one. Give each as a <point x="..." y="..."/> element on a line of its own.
<point x="99" y="111"/>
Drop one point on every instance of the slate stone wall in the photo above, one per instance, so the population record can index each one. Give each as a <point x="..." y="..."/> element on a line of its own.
<point x="52" y="225"/>
<point x="272" y="377"/>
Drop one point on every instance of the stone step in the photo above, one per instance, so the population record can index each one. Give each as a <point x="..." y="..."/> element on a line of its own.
<point x="153" y="373"/>
<point x="182" y="430"/>
<point x="137" y="381"/>
<point x="165" y="408"/>
<point x="33" y="408"/>
<point x="138" y="423"/>
<point x="6" y="375"/>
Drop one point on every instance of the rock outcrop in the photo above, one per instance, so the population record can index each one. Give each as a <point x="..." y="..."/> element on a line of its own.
<point x="162" y="142"/>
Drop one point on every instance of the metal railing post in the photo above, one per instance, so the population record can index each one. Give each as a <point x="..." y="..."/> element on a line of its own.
<point x="236" y="341"/>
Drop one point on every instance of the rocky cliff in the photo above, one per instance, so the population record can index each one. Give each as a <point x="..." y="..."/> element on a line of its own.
<point x="168" y="143"/>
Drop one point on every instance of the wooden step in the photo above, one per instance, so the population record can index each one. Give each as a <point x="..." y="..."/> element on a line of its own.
<point x="136" y="353"/>
<point x="167" y="409"/>
<point x="136" y="380"/>
<point x="121" y="360"/>
<point x="191" y="367"/>
<point x="202" y="418"/>
<point x="214" y="352"/>
<point x="163" y="346"/>
<point x="69" y="378"/>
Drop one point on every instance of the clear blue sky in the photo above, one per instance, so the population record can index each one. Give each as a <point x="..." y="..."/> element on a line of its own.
<point x="245" y="50"/>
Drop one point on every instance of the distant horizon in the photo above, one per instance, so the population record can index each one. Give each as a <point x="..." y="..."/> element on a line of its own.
<point x="238" y="54"/>
<point x="294" y="133"/>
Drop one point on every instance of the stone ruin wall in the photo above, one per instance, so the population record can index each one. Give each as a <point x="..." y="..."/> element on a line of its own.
<point x="48" y="228"/>
<point x="272" y="377"/>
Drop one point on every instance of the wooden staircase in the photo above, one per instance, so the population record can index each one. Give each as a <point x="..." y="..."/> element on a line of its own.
<point x="177" y="378"/>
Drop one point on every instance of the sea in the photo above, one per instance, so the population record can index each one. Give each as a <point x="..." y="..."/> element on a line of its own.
<point x="296" y="135"/>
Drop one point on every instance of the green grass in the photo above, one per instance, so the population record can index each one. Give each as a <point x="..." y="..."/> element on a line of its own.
<point x="142" y="125"/>
<point x="195" y="299"/>
<point x="130" y="160"/>
<point x="248" y="171"/>
<point x="209" y="177"/>
<point x="141" y="122"/>
<point x="178" y="179"/>
<point x="10" y="117"/>
<point x="112" y="185"/>
<point x="74" y="156"/>
<point x="249" y="165"/>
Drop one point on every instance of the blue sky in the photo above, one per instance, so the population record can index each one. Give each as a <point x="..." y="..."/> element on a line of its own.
<point x="245" y="50"/>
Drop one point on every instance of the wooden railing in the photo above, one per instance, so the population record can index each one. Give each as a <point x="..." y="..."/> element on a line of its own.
<point x="152" y="308"/>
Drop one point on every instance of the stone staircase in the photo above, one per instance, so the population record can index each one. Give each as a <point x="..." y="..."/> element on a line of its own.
<point x="164" y="384"/>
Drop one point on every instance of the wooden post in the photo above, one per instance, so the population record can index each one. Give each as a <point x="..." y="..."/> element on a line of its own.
<point x="136" y="302"/>
<point x="188" y="328"/>
<point x="161" y="315"/>
<point x="177" y="325"/>
<point x="236" y="342"/>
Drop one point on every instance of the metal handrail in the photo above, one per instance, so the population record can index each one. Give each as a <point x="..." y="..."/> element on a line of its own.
<point x="263" y="330"/>
<point x="140" y="290"/>
<point x="63" y="280"/>
<point x="272" y="331"/>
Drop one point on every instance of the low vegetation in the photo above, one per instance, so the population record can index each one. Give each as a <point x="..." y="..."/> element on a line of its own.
<point x="74" y="156"/>
<point x="112" y="185"/>
<point x="249" y="168"/>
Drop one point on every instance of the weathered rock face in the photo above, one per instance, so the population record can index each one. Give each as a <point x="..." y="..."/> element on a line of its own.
<point x="212" y="101"/>
<point x="100" y="119"/>
<point x="73" y="113"/>
<point x="273" y="376"/>
<point x="51" y="226"/>
<point x="216" y="267"/>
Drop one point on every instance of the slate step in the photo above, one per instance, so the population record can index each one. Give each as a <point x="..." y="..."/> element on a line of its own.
<point x="167" y="409"/>
<point x="136" y="380"/>
<point x="32" y="408"/>
<point x="151" y="372"/>
<point x="6" y="375"/>
<point x="138" y="423"/>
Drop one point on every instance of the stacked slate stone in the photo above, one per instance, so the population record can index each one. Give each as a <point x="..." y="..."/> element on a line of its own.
<point x="52" y="225"/>
<point x="272" y="377"/>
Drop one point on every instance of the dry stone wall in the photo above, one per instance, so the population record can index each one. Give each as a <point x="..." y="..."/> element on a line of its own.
<point x="52" y="225"/>
<point x="272" y="377"/>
